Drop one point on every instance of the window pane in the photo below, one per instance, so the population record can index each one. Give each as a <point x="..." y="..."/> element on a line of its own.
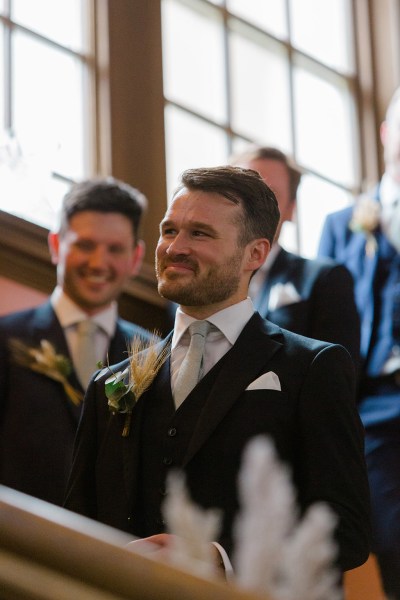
<point x="260" y="90"/>
<point x="191" y="142"/>
<point x="60" y="20"/>
<point x="25" y="184"/>
<point x="322" y="29"/>
<point x="324" y="126"/>
<point x="265" y="14"/>
<point x="48" y="104"/>
<point x="193" y="52"/>
<point x="316" y="199"/>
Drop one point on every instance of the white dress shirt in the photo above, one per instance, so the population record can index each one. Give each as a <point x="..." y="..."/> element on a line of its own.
<point x="227" y="326"/>
<point x="70" y="314"/>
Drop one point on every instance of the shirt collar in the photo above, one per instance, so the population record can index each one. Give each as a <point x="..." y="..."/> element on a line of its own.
<point x="69" y="313"/>
<point x="230" y="321"/>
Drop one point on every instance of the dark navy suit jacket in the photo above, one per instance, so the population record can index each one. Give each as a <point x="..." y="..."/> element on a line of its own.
<point x="37" y="420"/>
<point x="313" y="422"/>
<point x="326" y="309"/>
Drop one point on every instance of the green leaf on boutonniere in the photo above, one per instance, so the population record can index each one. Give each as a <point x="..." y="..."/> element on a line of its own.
<point x="120" y="398"/>
<point x="124" y="388"/>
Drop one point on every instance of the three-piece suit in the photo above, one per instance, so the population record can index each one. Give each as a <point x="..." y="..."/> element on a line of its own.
<point x="37" y="419"/>
<point x="312" y="421"/>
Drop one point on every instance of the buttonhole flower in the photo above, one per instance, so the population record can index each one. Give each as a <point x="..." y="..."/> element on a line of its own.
<point x="365" y="219"/>
<point x="124" y="388"/>
<point x="45" y="360"/>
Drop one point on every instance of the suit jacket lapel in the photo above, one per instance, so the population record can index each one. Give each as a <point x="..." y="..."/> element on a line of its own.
<point x="46" y="326"/>
<point x="254" y="347"/>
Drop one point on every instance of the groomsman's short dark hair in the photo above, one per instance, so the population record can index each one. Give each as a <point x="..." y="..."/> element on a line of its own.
<point x="106" y="195"/>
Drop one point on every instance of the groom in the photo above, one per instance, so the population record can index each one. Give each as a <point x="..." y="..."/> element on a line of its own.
<point x="256" y="379"/>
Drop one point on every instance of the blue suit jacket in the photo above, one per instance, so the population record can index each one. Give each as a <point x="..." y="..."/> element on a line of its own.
<point x="380" y="406"/>
<point x="326" y="309"/>
<point x="37" y="420"/>
<point x="312" y="420"/>
<point x="338" y="241"/>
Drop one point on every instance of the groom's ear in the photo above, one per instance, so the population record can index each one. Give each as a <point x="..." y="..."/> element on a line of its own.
<point x="257" y="252"/>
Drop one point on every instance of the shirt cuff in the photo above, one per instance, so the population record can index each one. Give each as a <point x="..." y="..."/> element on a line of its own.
<point x="226" y="562"/>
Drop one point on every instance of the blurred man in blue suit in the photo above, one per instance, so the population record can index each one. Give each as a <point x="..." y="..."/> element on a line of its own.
<point x="366" y="239"/>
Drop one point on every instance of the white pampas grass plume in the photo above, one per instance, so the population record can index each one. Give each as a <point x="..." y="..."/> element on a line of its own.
<point x="307" y="572"/>
<point x="193" y="528"/>
<point x="267" y="515"/>
<point x="274" y="553"/>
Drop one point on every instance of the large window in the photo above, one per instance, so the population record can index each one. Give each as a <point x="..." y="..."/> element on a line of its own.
<point x="129" y="86"/>
<point x="46" y="115"/>
<point x="273" y="72"/>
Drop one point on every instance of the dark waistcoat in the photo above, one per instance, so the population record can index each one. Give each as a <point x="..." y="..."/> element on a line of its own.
<point x="165" y="436"/>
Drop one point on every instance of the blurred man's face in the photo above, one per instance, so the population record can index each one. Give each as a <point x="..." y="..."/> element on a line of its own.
<point x="95" y="256"/>
<point x="390" y="136"/>
<point x="276" y="176"/>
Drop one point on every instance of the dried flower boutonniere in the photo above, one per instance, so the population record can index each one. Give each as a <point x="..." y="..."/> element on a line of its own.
<point x="124" y="388"/>
<point x="365" y="219"/>
<point x="45" y="360"/>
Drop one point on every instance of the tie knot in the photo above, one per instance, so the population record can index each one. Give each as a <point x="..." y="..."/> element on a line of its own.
<point x="200" y="328"/>
<point x="86" y="328"/>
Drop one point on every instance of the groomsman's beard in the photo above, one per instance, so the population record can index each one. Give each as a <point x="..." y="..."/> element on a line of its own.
<point x="220" y="282"/>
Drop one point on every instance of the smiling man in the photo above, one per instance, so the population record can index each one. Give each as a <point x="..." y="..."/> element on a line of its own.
<point x="254" y="378"/>
<point x="96" y="249"/>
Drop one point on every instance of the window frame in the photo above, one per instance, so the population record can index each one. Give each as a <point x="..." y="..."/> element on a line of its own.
<point x="133" y="149"/>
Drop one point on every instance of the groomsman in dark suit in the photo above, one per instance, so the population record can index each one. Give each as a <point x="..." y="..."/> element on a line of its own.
<point x="255" y="378"/>
<point x="366" y="238"/>
<point x="43" y="373"/>
<point x="313" y="297"/>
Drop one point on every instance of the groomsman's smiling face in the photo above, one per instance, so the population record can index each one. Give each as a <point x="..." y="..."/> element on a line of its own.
<point x="95" y="256"/>
<point x="199" y="261"/>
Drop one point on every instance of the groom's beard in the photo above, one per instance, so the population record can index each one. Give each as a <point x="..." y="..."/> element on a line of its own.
<point x="217" y="283"/>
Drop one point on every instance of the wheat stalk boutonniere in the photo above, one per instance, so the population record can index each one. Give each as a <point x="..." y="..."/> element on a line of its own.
<point x="365" y="219"/>
<point x="124" y="388"/>
<point x="45" y="360"/>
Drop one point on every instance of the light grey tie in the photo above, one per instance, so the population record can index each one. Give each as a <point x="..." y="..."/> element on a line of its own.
<point x="85" y="360"/>
<point x="190" y="370"/>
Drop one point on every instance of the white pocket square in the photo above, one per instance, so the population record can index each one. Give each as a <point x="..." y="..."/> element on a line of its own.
<point x="268" y="381"/>
<point x="282" y="294"/>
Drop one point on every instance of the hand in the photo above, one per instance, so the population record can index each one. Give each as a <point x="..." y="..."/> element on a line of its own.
<point x="158" y="546"/>
<point x="154" y="546"/>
